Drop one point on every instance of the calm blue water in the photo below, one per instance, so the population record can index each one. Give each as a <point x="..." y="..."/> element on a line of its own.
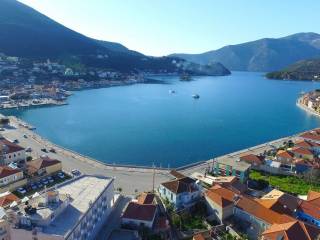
<point x="143" y="123"/>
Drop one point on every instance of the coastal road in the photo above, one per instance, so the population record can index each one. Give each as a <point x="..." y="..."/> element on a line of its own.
<point x="130" y="180"/>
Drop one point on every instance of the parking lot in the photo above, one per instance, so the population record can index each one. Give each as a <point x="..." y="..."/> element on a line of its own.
<point x="41" y="183"/>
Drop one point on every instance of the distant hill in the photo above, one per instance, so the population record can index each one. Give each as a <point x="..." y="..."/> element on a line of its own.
<point x="263" y="55"/>
<point x="27" y="33"/>
<point x="302" y="70"/>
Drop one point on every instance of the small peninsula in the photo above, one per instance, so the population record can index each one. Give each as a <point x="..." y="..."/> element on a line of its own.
<point x="302" y="70"/>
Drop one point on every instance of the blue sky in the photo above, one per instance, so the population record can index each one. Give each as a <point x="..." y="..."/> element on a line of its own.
<point x="161" y="27"/>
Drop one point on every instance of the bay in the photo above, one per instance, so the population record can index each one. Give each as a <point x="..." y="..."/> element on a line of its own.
<point x="144" y="124"/>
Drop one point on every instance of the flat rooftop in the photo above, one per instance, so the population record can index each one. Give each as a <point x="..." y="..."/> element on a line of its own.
<point x="83" y="191"/>
<point x="234" y="162"/>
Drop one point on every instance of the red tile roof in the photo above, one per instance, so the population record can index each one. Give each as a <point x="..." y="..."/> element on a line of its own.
<point x="295" y="230"/>
<point x="7" y="199"/>
<point x="7" y="171"/>
<point x="306" y="144"/>
<point x="40" y="163"/>
<point x="146" y="198"/>
<point x="142" y="212"/>
<point x="220" y="195"/>
<point x="180" y="185"/>
<point x="300" y="150"/>
<point x="285" y="154"/>
<point x="311" y="135"/>
<point x="198" y="237"/>
<point x="256" y="209"/>
<point x="252" y="159"/>
<point x="9" y="147"/>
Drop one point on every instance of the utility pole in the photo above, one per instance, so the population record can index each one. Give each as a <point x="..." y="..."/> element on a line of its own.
<point x="153" y="177"/>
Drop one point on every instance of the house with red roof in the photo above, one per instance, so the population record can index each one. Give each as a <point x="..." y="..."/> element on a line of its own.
<point x="313" y="146"/>
<point x="304" y="153"/>
<point x="7" y="198"/>
<point x="252" y="159"/>
<point x="182" y="191"/>
<point x="9" y="175"/>
<point x="11" y="152"/>
<point x="43" y="166"/>
<point x="285" y="157"/>
<point x="141" y="212"/>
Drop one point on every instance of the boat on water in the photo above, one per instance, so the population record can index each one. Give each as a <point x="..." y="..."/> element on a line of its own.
<point x="196" y="96"/>
<point x="185" y="77"/>
<point x="172" y="91"/>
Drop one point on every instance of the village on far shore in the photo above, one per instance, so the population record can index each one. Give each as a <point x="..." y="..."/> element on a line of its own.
<point x="26" y="82"/>
<point x="264" y="192"/>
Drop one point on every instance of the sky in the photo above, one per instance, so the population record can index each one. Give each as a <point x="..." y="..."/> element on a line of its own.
<point x="161" y="27"/>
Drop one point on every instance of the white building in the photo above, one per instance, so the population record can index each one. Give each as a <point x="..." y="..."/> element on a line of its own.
<point x="11" y="152"/>
<point x="75" y="210"/>
<point x="182" y="191"/>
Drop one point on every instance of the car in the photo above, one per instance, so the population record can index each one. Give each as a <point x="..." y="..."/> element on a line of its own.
<point x="75" y="172"/>
<point x="52" y="150"/>
<point x="34" y="186"/>
<point x="61" y="175"/>
<point x="50" y="179"/>
<point x="45" y="181"/>
<point x="39" y="184"/>
<point x="2" y="129"/>
<point x="44" y="150"/>
<point x="28" y="149"/>
<point x="25" y="136"/>
<point x="21" y="190"/>
<point x="16" y="141"/>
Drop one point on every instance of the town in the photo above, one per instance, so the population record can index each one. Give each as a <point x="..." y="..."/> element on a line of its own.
<point x="33" y="82"/>
<point x="268" y="192"/>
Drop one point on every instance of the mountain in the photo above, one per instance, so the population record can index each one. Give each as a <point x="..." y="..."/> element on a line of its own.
<point x="302" y="70"/>
<point x="29" y="34"/>
<point x="268" y="54"/>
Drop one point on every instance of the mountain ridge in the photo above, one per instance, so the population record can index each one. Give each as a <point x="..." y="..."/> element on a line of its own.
<point x="266" y="54"/>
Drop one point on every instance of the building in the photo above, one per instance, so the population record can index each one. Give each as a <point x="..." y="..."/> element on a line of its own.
<point x="304" y="153"/>
<point x="4" y="227"/>
<point x="312" y="146"/>
<point x="252" y="159"/>
<point x="43" y="166"/>
<point x="183" y="192"/>
<point x="231" y="167"/>
<point x="291" y="231"/>
<point x="11" y="152"/>
<point x="311" y="136"/>
<point x="76" y="209"/>
<point x="9" y="175"/>
<point x="285" y="157"/>
<point x="137" y="215"/>
<point x="7" y="198"/>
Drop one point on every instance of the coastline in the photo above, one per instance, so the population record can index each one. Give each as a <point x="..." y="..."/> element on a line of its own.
<point x="29" y="103"/>
<point x="305" y="108"/>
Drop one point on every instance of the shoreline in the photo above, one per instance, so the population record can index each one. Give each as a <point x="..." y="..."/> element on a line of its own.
<point x="140" y="168"/>
<point x="47" y="102"/>
<point x="305" y="108"/>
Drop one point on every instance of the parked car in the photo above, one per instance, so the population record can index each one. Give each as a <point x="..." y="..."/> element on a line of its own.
<point x="28" y="149"/>
<point x="16" y="141"/>
<point x="25" y="136"/>
<point x="75" y="172"/>
<point x="52" y="150"/>
<point x="34" y="186"/>
<point x="61" y="175"/>
<point x="1" y="129"/>
<point x="39" y="184"/>
<point x="21" y="190"/>
<point x="50" y="179"/>
<point x="44" y="181"/>
<point x="44" y="150"/>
